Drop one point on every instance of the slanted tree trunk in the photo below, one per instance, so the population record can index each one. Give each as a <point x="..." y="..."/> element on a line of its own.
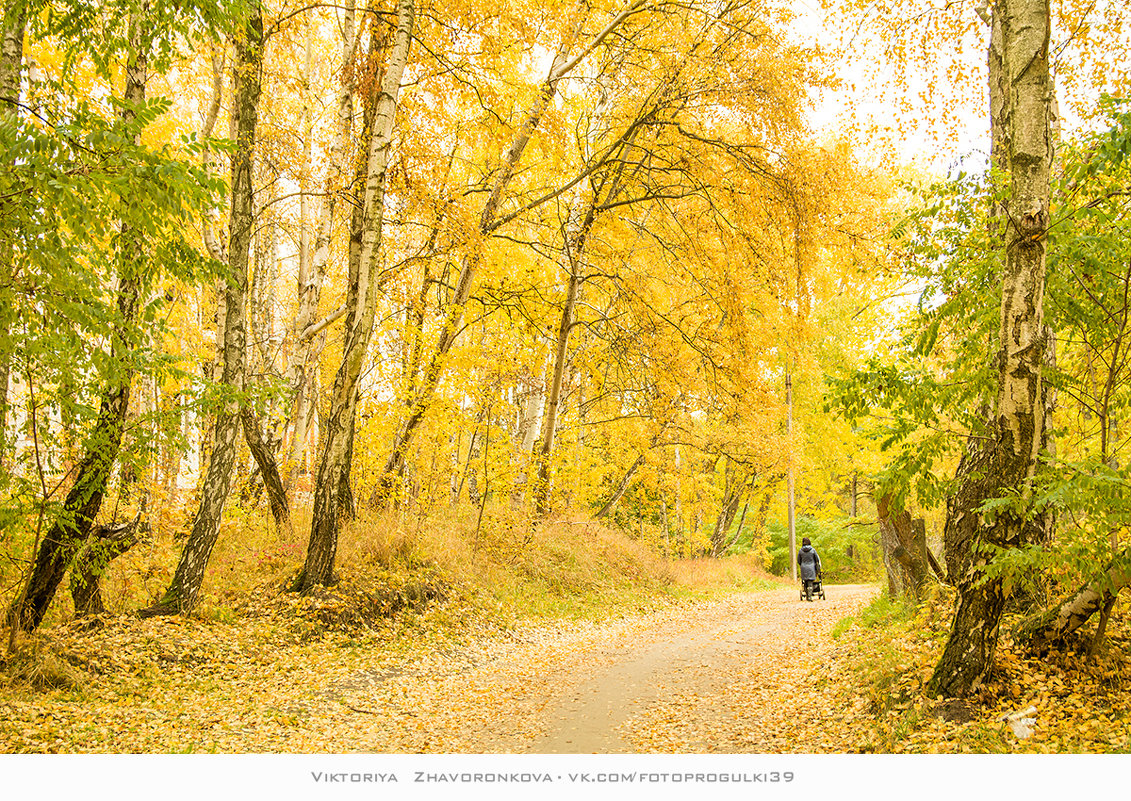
<point x="76" y="517"/>
<point x="334" y="468"/>
<point x="629" y="474"/>
<point x="182" y="595"/>
<point x="264" y="456"/>
<point x="104" y="545"/>
<point x="738" y="528"/>
<point x="622" y="485"/>
<point x="904" y="543"/>
<point x="1020" y="84"/>
<point x="1041" y="632"/>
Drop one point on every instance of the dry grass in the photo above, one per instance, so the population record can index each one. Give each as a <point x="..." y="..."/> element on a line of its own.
<point x="501" y="564"/>
<point x="712" y="575"/>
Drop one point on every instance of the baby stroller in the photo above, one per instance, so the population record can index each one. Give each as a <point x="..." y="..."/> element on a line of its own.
<point x="812" y="588"/>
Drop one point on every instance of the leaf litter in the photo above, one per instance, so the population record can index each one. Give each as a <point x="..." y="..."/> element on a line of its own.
<point x="751" y="673"/>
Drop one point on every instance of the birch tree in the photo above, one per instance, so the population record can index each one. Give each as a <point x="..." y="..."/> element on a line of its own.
<point x="1006" y="462"/>
<point x="184" y="590"/>
<point x="75" y="520"/>
<point x="330" y="506"/>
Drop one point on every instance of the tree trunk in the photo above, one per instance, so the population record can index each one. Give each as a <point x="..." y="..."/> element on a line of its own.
<point x="265" y="460"/>
<point x="83" y="501"/>
<point x="13" y="22"/>
<point x="1020" y="81"/>
<point x="182" y="595"/>
<point x="1040" y="632"/>
<point x="105" y="544"/>
<point x="334" y="469"/>
<point x="738" y="529"/>
<point x="904" y="543"/>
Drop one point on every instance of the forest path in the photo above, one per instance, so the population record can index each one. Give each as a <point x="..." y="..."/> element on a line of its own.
<point x="720" y="676"/>
<point x="689" y="671"/>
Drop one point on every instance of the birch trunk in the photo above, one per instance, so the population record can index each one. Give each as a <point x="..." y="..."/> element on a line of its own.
<point x="719" y="542"/>
<point x="308" y="340"/>
<point x="182" y="595"/>
<point x="630" y="473"/>
<point x="622" y="485"/>
<point x="1008" y="460"/>
<point x="1042" y="631"/>
<point x="334" y="469"/>
<point x="13" y="23"/>
<point x="264" y="455"/>
<point x="76" y="519"/>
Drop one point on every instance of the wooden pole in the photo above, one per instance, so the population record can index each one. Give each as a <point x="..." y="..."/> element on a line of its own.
<point x="789" y="476"/>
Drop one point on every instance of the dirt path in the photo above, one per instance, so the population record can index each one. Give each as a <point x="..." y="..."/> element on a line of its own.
<point x="704" y="657"/>
<point x="733" y="675"/>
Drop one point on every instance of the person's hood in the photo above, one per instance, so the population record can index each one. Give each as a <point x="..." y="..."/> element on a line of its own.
<point x="807" y="548"/>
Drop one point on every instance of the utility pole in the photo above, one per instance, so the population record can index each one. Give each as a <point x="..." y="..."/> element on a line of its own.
<point x="789" y="475"/>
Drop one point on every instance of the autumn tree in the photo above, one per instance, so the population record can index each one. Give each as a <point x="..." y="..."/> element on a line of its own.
<point x="88" y="166"/>
<point x="182" y="594"/>
<point x="1021" y="95"/>
<point x="361" y="308"/>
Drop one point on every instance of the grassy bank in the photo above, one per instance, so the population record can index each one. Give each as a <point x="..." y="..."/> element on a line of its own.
<point x="885" y="657"/>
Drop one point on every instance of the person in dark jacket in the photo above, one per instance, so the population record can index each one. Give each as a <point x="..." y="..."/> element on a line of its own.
<point x="810" y="564"/>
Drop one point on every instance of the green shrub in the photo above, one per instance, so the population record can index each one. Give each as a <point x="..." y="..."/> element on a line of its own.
<point x="848" y="552"/>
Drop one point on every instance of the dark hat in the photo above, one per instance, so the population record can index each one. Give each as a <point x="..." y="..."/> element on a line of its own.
<point x="805" y="541"/>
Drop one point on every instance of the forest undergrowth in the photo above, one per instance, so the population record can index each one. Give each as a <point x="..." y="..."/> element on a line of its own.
<point x="255" y="669"/>
<point x="875" y="683"/>
<point x="414" y="597"/>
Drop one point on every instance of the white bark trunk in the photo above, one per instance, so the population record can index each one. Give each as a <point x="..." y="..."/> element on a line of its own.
<point x="334" y="468"/>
